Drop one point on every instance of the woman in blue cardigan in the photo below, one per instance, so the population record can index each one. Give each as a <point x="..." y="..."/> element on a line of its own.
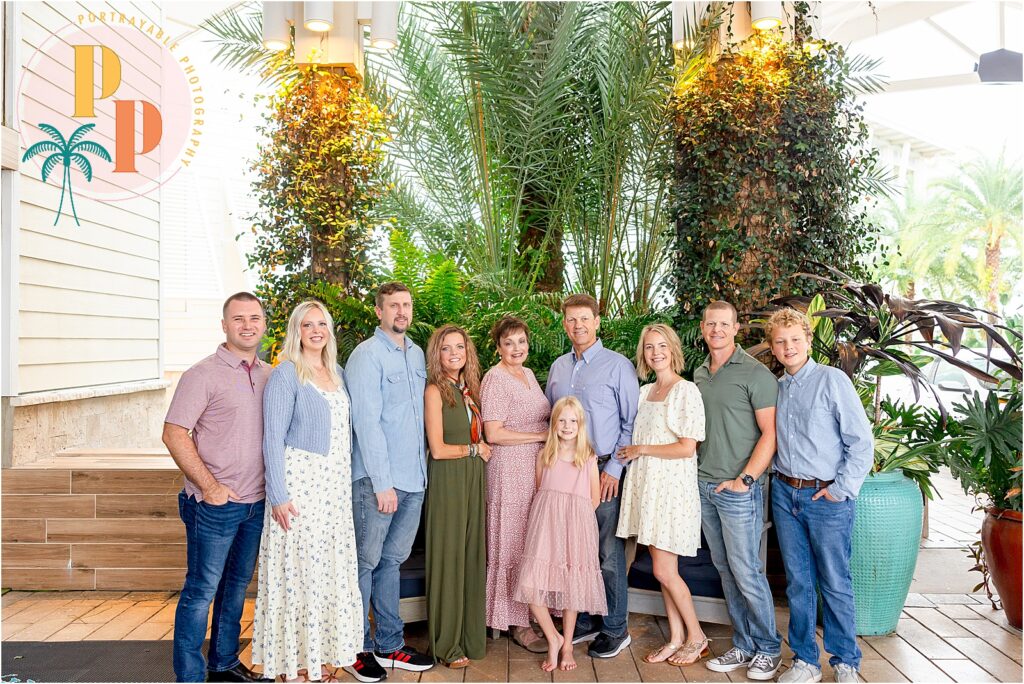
<point x="307" y="619"/>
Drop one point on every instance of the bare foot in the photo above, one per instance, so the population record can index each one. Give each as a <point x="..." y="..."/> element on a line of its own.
<point x="567" y="661"/>
<point x="551" y="662"/>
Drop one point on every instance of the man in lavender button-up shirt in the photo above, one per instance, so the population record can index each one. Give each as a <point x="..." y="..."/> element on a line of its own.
<point x="606" y="384"/>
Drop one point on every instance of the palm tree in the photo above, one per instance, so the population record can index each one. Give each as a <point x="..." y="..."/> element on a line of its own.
<point x="983" y="211"/>
<point x="914" y="243"/>
<point x="67" y="151"/>
<point x="526" y="132"/>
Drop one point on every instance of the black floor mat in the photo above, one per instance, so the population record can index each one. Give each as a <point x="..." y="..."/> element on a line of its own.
<point x="89" y="661"/>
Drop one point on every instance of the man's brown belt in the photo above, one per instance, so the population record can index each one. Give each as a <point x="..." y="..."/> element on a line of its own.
<point x="800" y="484"/>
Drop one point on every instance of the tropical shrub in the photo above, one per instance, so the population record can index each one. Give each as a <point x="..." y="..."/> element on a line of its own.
<point x="772" y="170"/>
<point x="317" y="179"/>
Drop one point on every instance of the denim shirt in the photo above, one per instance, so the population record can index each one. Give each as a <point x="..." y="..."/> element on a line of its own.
<point x="605" y="382"/>
<point x="822" y="430"/>
<point x="386" y="383"/>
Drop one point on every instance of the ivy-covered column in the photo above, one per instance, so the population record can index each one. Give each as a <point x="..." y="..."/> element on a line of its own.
<point x="318" y="175"/>
<point x="772" y="171"/>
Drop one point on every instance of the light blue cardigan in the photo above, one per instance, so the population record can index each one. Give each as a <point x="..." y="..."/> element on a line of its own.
<point x="293" y="415"/>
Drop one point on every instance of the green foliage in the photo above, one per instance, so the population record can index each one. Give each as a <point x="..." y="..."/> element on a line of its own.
<point x="529" y="132"/>
<point x="984" y="453"/>
<point x="318" y="178"/>
<point x="907" y="439"/>
<point x="772" y="171"/>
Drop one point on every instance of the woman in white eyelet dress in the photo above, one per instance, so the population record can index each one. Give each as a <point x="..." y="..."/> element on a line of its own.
<point x="308" y="605"/>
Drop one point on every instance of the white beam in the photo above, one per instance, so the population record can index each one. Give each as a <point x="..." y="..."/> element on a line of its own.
<point x="932" y="82"/>
<point x="881" y="19"/>
<point x="953" y="39"/>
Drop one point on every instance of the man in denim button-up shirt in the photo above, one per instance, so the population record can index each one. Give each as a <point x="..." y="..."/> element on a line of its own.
<point x="385" y="377"/>
<point x="825" y="450"/>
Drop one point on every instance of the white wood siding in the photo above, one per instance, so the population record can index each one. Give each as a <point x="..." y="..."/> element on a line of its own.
<point x="89" y="304"/>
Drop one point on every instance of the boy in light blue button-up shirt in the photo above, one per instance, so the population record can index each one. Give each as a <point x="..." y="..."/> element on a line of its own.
<point x="825" y="450"/>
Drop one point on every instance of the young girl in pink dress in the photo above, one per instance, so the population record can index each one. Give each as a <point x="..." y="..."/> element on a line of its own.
<point x="560" y="569"/>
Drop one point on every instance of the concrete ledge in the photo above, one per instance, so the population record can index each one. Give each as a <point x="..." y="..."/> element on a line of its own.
<point x="92" y="392"/>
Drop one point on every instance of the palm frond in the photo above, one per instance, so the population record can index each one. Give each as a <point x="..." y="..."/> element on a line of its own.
<point x="54" y="134"/>
<point x="41" y="147"/>
<point x="238" y="34"/>
<point x="50" y="163"/>
<point x="83" y="164"/>
<point x="92" y="148"/>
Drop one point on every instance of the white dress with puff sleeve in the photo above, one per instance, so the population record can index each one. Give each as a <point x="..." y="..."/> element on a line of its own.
<point x="660" y="500"/>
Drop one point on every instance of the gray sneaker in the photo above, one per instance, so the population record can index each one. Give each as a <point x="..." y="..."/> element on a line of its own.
<point x="845" y="673"/>
<point x="733" y="659"/>
<point x="800" y="671"/>
<point x="763" y="667"/>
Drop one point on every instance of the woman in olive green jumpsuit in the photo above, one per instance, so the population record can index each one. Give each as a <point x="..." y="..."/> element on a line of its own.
<point x="456" y="500"/>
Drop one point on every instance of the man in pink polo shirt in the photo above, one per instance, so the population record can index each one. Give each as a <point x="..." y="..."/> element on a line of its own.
<point x="214" y="431"/>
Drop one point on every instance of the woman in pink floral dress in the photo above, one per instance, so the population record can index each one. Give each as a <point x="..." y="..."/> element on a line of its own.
<point x="515" y="413"/>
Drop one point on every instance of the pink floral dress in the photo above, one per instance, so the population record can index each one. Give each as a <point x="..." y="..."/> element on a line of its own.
<point x="522" y="407"/>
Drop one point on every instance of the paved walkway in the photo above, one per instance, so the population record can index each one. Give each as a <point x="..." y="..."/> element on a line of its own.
<point x="944" y="635"/>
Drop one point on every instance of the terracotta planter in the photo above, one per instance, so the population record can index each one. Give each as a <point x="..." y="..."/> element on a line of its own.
<point x="1001" y="539"/>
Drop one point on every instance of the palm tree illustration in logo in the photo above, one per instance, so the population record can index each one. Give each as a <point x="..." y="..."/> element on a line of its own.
<point x="67" y="152"/>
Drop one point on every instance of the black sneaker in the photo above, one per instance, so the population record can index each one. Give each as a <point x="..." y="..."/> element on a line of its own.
<point x="608" y="647"/>
<point x="366" y="669"/>
<point x="585" y="635"/>
<point x="405" y="658"/>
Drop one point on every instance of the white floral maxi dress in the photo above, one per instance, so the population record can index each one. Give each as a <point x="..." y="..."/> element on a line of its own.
<point x="660" y="499"/>
<point x="308" y="603"/>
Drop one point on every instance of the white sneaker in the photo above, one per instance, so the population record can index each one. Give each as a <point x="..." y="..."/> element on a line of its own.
<point x="800" y="671"/>
<point x="845" y="673"/>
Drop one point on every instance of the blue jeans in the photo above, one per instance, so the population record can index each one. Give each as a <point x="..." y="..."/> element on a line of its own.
<point x="223" y="543"/>
<point x="612" y="554"/>
<point x="383" y="542"/>
<point x="733" y="524"/>
<point x="816" y="539"/>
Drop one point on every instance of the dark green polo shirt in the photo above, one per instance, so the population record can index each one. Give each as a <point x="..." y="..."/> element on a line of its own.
<point x="731" y="395"/>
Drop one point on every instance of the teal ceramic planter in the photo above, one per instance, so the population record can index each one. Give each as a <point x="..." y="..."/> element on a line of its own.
<point x="886" y="538"/>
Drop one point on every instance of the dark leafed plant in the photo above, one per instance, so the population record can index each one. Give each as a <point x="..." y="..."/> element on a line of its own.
<point x="892" y="331"/>
<point x="772" y="168"/>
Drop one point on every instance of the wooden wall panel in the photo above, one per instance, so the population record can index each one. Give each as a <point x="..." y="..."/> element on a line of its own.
<point x="36" y="481"/>
<point x="37" y="578"/>
<point x="21" y="530"/>
<point x="166" y="482"/>
<point x="140" y="580"/>
<point x="110" y="529"/>
<point x="128" y="556"/>
<point x="48" y="506"/>
<point x="137" y="506"/>
<point x="36" y="555"/>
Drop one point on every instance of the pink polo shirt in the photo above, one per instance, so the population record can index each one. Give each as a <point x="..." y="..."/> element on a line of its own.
<point x="221" y="401"/>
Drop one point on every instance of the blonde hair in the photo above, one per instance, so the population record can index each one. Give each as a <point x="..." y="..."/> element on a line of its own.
<point x="675" y="349"/>
<point x="549" y="454"/>
<point x="292" y="348"/>
<point x="470" y="373"/>
<point x="787" y="318"/>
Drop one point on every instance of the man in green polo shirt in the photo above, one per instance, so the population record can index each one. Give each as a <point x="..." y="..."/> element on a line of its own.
<point x="739" y="395"/>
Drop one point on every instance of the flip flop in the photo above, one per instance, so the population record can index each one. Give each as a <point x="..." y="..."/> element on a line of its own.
<point x="663" y="653"/>
<point x="691" y="652"/>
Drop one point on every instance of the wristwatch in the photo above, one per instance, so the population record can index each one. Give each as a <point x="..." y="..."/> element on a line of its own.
<point x="747" y="480"/>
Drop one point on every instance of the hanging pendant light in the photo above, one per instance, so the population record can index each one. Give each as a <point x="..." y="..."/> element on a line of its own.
<point x="765" y="16"/>
<point x="679" y="20"/>
<point x="318" y="16"/>
<point x="276" y="31"/>
<point x="384" y="25"/>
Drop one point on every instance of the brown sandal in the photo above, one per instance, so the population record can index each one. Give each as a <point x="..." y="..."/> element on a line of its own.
<point x="662" y="653"/>
<point x="690" y="653"/>
<point x="458" y="663"/>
